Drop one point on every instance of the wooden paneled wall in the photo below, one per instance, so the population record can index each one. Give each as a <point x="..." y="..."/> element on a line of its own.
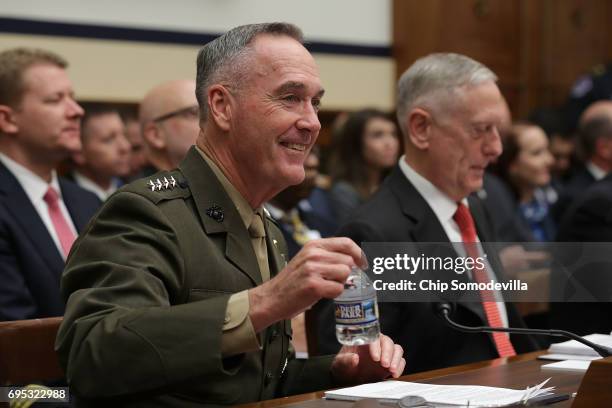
<point x="536" y="47"/>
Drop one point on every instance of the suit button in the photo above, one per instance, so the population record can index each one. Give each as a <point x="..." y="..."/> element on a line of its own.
<point x="269" y="377"/>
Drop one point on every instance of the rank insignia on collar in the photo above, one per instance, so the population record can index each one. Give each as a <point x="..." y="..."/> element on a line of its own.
<point x="162" y="184"/>
<point x="216" y="213"/>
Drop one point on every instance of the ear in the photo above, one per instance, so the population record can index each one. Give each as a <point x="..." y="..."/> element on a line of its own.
<point x="419" y="128"/>
<point x="8" y="124"/>
<point x="219" y="106"/>
<point x="154" y="136"/>
<point x="604" y="147"/>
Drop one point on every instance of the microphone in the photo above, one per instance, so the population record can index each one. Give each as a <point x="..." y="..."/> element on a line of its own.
<point x="445" y="309"/>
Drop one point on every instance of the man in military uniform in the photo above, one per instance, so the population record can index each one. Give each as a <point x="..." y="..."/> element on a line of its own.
<point x="179" y="293"/>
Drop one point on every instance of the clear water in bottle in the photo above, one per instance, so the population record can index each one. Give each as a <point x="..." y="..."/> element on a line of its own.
<point x="357" y="311"/>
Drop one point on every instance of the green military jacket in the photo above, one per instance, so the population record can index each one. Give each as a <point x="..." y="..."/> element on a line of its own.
<point x="147" y="286"/>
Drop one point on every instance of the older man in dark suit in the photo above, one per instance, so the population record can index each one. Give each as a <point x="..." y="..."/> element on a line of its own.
<point x="450" y="111"/>
<point x="40" y="213"/>
<point x="179" y="294"/>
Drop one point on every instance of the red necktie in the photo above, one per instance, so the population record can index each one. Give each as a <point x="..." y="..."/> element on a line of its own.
<point x="464" y="220"/>
<point x="62" y="229"/>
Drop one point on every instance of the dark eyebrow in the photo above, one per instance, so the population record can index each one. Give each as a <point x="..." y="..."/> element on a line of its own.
<point x="293" y="86"/>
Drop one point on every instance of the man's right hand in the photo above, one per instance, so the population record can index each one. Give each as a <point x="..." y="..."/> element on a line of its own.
<point x="318" y="271"/>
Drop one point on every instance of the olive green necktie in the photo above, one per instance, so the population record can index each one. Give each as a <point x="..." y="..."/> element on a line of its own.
<point x="258" y="239"/>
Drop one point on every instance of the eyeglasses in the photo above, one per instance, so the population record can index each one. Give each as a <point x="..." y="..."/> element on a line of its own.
<point x="190" y="112"/>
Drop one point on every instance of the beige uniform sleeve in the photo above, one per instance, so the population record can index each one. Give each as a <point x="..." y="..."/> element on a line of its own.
<point x="238" y="333"/>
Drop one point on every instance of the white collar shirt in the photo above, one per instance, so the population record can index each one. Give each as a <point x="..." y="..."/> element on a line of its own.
<point x="90" y="185"/>
<point x="597" y="172"/>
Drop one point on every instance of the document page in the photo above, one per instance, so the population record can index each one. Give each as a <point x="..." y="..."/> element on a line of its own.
<point x="440" y="394"/>
<point x="576" y="348"/>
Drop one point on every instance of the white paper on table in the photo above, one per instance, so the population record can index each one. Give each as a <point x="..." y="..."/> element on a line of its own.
<point x="575" y="348"/>
<point x="575" y="366"/>
<point x="440" y="394"/>
<point x="562" y="357"/>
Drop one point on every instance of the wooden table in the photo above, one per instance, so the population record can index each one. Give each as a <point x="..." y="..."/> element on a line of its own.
<point x="515" y="372"/>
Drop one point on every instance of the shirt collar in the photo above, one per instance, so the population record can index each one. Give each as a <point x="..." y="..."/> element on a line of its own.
<point x="242" y="205"/>
<point x="597" y="172"/>
<point x="90" y="185"/>
<point x="34" y="186"/>
<point x="442" y="205"/>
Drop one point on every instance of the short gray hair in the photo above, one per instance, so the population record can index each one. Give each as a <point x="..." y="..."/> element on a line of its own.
<point x="434" y="73"/>
<point x="223" y="58"/>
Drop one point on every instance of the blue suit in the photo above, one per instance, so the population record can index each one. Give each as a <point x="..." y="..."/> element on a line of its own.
<point x="30" y="263"/>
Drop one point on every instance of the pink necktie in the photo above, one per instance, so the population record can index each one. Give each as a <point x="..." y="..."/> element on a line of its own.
<point x="464" y="220"/>
<point x="62" y="229"/>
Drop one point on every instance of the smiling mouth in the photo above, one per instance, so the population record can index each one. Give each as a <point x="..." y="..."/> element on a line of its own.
<point x="294" y="146"/>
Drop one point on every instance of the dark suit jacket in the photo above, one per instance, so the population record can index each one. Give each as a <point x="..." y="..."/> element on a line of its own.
<point x="398" y="213"/>
<point x="588" y="220"/>
<point x="148" y="285"/>
<point x="574" y="188"/>
<point x="30" y="263"/>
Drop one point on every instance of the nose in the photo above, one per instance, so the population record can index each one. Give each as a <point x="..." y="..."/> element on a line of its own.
<point x="493" y="144"/>
<point x="73" y="109"/>
<point x="124" y="145"/>
<point x="309" y="120"/>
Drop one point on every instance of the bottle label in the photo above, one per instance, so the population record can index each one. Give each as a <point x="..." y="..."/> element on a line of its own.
<point x="356" y="313"/>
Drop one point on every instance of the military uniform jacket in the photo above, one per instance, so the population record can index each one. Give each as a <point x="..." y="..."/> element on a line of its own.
<point x="147" y="287"/>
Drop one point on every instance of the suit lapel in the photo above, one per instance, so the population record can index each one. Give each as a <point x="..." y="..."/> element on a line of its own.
<point x="427" y="228"/>
<point x="209" y="195"/>
<point x="480" y="219"/>
<point x="77" y="213"/>
<point x="24" y="213"/>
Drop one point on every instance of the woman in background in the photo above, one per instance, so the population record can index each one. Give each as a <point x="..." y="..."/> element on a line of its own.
<point x="525" y="165"/>
<point x="365" y="149"/>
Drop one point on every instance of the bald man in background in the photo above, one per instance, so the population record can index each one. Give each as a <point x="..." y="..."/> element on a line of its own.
<point x="595" y="148"/>
<point x="168" y="118"/>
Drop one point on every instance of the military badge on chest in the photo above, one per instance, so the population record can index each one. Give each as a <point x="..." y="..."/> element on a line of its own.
<point x="216" y="213"/>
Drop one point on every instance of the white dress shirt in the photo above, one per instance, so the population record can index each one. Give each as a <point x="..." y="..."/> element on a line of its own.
<point x="90" y="185"/>
<point x="444" y="207"/>
<point x="597" y="172"/>
<point x="35" y="188"/>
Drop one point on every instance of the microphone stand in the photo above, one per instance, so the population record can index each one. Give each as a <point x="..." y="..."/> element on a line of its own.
<point x="444" y="310"/>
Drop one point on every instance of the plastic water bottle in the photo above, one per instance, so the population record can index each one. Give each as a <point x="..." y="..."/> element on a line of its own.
<point x="357" y="311"/>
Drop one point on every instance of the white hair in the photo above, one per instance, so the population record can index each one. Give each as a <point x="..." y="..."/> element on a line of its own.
<point x="433" y="74"/>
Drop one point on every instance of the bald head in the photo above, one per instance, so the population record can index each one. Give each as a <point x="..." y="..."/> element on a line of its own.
<point x="167" y="97"/>
<point x="599" y="109"/>
<point x="169" y="122"/>
<point x="595" y="134"/>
